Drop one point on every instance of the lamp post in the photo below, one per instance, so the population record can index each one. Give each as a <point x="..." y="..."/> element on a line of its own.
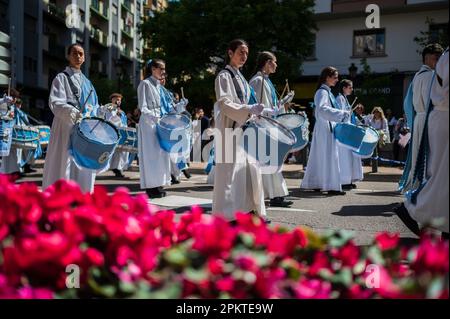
<point x="353" y="71"/>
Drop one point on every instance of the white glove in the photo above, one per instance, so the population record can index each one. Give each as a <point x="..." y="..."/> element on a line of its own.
<point x="256" y="109"/>
<point x="347" y="116"/>
<point x="288" y="98"/>
<point x="75" y="115"/>
<point x="269" y="112"/>
<point x="7" y="99"/>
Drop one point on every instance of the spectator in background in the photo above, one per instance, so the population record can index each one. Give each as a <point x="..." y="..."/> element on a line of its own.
<point x="392" y="121"/>
<point x="378" y="121"/>
<point x="359" y="118"/>
<point x="400" y="132"/>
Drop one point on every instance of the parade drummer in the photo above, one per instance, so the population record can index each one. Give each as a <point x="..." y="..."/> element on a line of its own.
<point x="115" y="114"/>
<point x="11" y="164"/>
<point x="154" y="162"/>
<point x="421" y="88"/>
<point x="275" y="187"/>
<point x="237" y="182"/>
<point x="323" y="173"/>
<point x="72" y="96"/>
<point x="428" y="203"/>
<point x="350" y="164"/>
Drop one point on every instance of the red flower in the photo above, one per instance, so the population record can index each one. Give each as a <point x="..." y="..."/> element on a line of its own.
<point x="94" y="257"/>
<point x="348" y="255"/>
<point x="386" y="241"/>
<point x="215" y="265"/>
<point x="432" y="255"/>
<point x="320" y="262"/>
<point x="246" y="263"/>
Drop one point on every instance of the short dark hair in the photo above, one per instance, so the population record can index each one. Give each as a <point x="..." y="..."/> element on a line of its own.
<point x="232" y="46"/>
<point x="115" y="95"/>
<point x="433" y="48"/>
<point x="154" y="63"/>
<point x="73" y="45"/>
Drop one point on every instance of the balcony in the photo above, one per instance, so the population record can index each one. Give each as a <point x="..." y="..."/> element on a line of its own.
<point x="100" y="9"/>
<point x="128" y="5"/>
<point x="99" y="36"/>
<point x="127" y="30"/>
<point x="53" y="11"/>
<point x="99" y="68"/>
<point x="126" y="52"/>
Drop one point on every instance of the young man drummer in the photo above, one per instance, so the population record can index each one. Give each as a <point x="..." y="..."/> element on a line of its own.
<point x="72" y="96"/>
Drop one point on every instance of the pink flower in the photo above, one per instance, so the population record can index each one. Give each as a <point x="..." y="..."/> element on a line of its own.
<point x="225" y="284"/>
<point x="312" y="289"/>
<point x="386" y="241"/>
<point x="432" y="255"/>
<point x="94" y="257"/>
<point x="246" y="263"/>
<point x="215" y="265"/>
<point x="320" y="262"/>
<point x="214" y="237"/>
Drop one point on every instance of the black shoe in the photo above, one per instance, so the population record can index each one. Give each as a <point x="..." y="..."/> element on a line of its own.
<point x="155" y="193"/>
<point x="267" y="221"/>
<point x="280" y="202"/>
<point x="27" y="169"/>
<point x="347" y="186"/>
<point x="187" y="174"/>
<point x="406" y="218"/>
<point x="336" y="193"/>
<point x="118" y="173"/>
<point x="354" y="186"/>
<point x="174" y="180"/>
<point x="317" y="190"/>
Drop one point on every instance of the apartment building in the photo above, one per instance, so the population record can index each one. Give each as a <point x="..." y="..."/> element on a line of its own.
<point x="42" y="30"/>
<point x="343" y="39"/>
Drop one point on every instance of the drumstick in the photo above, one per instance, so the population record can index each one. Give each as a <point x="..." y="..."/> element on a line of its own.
<point x="288" y="88"/>
<point x="354" y="101"/>
<point x="182" y="93"/>
<point x="9" y="87"/>
<point x="284" y="90"/>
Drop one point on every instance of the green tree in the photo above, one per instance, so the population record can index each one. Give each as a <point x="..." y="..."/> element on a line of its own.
<point x="105" y="87"/>
<point x="192" y="36"/>
<point x="436" y="33"/>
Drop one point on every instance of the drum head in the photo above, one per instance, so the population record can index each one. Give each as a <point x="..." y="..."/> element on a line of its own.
<point x="99" y="130"/>
<point x="174" y="121"/>
<point x="371" y="136"/>
<point x="275" y="130"/>
<point x="291" y="121"/>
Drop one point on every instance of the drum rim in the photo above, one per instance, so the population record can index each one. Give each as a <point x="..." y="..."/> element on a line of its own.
<point x="94" y="141"/>
<point x="174" y="115"/>
<point x="293" y="114"/>
<point x="277" y="123"/>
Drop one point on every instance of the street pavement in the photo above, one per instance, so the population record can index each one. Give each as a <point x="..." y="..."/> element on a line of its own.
<point x="365" y="211"/>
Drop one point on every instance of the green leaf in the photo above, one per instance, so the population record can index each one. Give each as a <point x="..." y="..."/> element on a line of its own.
<point x="177" y="257"/>
<point x="435" y="288"/>
<point x="196" y="276"/>
<point x="375" y="255"/>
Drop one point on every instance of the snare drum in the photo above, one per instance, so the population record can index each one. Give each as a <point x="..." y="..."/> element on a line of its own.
<point x="92" y="143"/>
<point x="370" y="141"/>
<point x="25" y="137"/>
<point x="349" y="135"/>
<point x="299" y="125"/>
<point x="5" y="137"/>
<point x="174" y="134"/>
<point x="127" y="140"/>
<point x="267" y="142"/>
<point x="44" y="135"/>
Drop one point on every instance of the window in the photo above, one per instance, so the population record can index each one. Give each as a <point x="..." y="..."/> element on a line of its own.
<point x="114" y="37"/>
<point x="115" y="10"/>
<point x="369" y="43"/>
<point x="438" y="32"/>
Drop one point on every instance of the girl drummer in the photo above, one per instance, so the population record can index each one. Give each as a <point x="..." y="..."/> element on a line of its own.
<point x="275" y="187"/>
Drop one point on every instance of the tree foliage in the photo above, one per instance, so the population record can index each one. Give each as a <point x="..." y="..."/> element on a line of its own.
<point x="192" y="37"/>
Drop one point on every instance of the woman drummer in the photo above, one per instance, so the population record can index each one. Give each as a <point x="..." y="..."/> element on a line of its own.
<point x="323" y="173"/>
<point x="237" y="182"/>
<point x="349" y="163"/>
<point x="275" y="187"/>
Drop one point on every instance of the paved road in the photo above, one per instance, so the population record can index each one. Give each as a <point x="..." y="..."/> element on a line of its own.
<point x="365" y="211"/>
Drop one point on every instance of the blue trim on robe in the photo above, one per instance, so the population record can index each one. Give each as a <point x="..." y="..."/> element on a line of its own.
<point x="86" y="87"/>
<point x="273" y="91"/>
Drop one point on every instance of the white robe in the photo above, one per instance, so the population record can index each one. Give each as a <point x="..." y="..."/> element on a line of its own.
<point x="349" y="163"/>
<point x="323" y="170"/>
<point x="119" y="160"/>
<point x="237" y="185"/>
<point x="274" y="184"/>
<point x="10" y="163"/>
<point x="58" y="163"/>
<point x="433" y="200"/>
<point x="154" y="162"/>
<point x="421" y="96"/>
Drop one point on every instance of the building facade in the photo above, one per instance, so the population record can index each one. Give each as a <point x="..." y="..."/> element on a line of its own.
<point x="42" y="30"/>
<point x="343" y="39"/>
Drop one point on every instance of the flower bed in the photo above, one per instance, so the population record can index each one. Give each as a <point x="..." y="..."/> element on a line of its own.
<point x="124" y="248"/>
